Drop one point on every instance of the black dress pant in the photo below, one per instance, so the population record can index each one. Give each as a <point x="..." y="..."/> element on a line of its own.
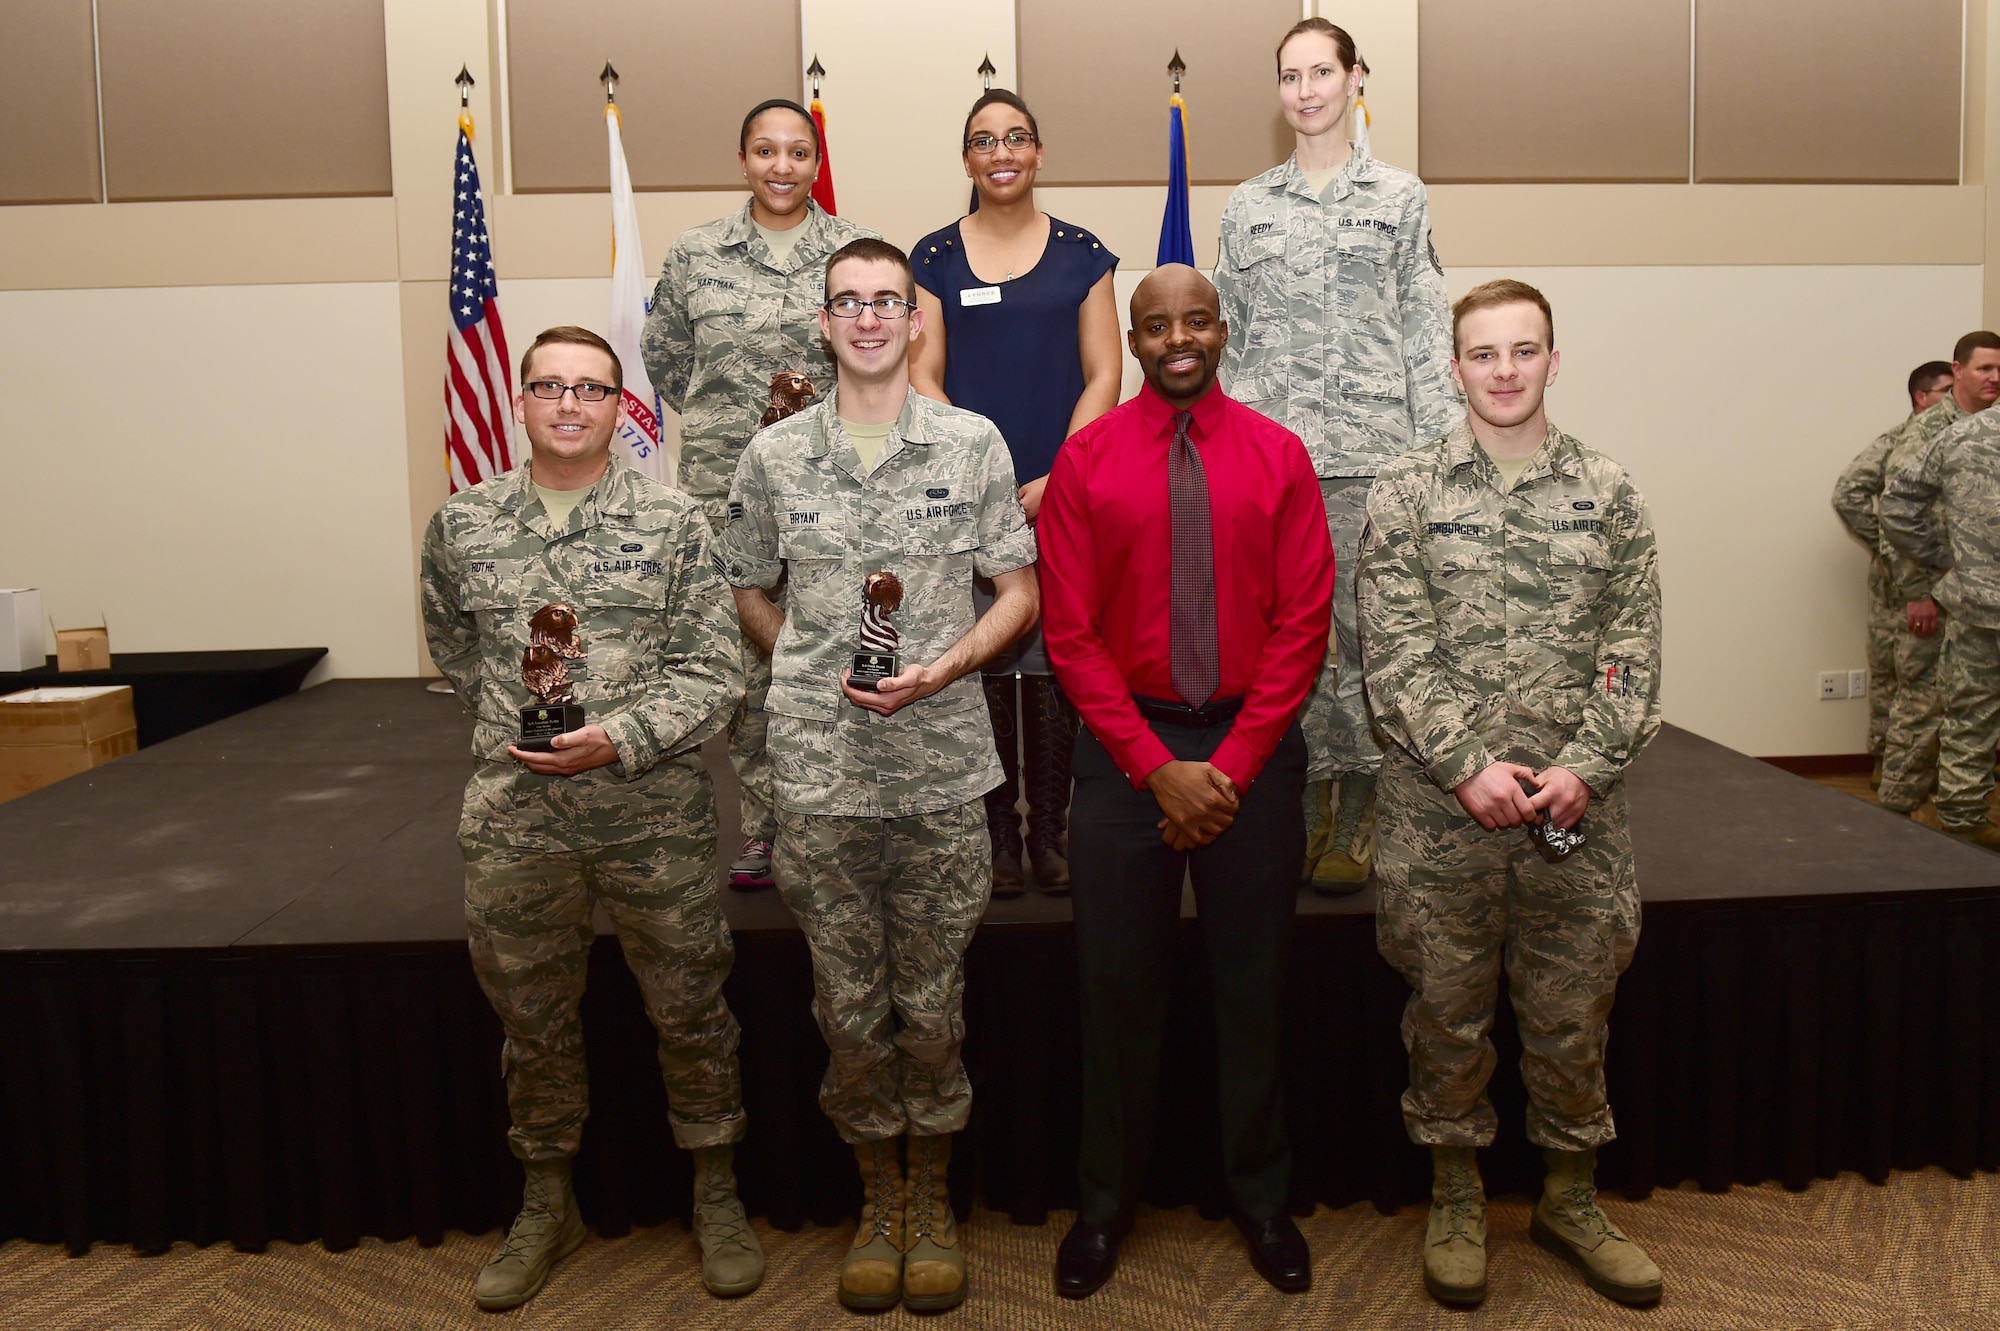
<point x="1126" y="894"/>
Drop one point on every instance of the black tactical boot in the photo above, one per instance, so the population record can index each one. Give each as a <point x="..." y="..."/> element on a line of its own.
<point x="1003" y="815"/>
<point x="1051" y="733"/>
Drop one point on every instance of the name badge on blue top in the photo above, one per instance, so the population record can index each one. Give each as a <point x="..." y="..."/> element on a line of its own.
<point x="979" y="296"/>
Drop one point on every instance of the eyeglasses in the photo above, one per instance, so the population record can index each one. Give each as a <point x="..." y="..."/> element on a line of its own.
<point x="550" y="391"/>
<point x="850" y="307"/>
<point x="1015" y="139"/>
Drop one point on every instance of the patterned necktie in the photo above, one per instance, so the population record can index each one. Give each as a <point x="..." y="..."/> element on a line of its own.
<point x="1195" y="669"/>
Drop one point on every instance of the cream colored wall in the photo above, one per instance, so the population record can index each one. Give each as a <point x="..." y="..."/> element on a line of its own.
<point x="211" y="467"/>
<point x="1781" y="319"/>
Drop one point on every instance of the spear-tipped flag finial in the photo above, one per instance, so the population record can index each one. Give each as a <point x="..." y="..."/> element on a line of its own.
<point x="464" y="82"/>
<point x="609" y="78"/>
<point x="987" y="71"/>
<point x="1177" y="67"/>
<point x="815" y="71"/>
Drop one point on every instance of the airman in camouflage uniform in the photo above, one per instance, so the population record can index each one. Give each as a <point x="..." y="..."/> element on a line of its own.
<point x="1854" y="498"/>
<point x="1339" y="330"/>
<point x="1510" y="624"/>
<point x="1910" y="747"/>
<point x="882" y="852"/>
<point x="659" y="673"/>
<point x="1941" y="510"/>
<point x="726" y="316"/>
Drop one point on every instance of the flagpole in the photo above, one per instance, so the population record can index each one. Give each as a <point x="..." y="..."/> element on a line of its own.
<point x="465" y="124"/>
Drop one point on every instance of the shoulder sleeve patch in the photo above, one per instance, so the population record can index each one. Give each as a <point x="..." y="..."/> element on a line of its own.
<point x="1430" y="244"/>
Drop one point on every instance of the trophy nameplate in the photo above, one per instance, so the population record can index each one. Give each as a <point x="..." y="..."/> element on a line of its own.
<point x="881" y="596"/>
<point x="552" y="644"/>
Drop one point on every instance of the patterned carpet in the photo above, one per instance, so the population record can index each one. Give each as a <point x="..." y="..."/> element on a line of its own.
<point x="1921" y="1254"/>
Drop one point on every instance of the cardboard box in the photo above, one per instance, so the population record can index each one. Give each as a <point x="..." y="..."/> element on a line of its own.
<point x="22" y="646"/>
<point x="83" y="649"/>
<point x="49" y="734"/>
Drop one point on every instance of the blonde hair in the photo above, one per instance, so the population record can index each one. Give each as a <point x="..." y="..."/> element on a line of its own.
<point x="1500" y="291"/>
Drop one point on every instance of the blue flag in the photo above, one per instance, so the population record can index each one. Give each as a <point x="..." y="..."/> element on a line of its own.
<point x="1176" y="233"/>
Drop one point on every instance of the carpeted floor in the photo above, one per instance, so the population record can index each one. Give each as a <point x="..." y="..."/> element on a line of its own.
<point x="1921" y="1254"/>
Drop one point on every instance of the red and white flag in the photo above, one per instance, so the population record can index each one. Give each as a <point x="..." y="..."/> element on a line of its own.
<point x="638" y="436"/>
<point x="478" y="386"/>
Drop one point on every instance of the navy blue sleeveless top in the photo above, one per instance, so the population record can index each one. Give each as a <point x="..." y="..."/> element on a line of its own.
<point x="1016" y="360"/>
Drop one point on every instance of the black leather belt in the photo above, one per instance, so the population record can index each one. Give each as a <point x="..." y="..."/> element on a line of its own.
<point x="1220" y="711"/>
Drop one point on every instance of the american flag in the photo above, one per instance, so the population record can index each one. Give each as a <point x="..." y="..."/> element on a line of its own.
<point x="478" y="387"/>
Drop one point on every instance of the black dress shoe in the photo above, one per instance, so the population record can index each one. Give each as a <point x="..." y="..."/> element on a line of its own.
<point x="1279" y="1252"/>
<point x="1087" y="1258"/>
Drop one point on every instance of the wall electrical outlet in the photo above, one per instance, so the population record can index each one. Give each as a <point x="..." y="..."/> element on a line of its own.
<point x="1857" y="683"/>
<point x="1832" y="684"/>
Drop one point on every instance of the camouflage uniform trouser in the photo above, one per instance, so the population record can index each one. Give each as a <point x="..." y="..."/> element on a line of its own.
<point x="1340" y="739"/>
<point x="888" y="906"/>
<point x="1910" y="749"/>
<point x="528" y="912"/>
<point x="1969" y="684"/>
<point x="749" y="725"/>
<point x="1885" y="622"/>
<point x="1456" y="902"/>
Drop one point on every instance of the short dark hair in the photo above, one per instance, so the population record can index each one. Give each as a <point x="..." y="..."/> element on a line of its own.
<point x="999" y="97"/>
<point x="1343" y="45"/>
<point x="571" y="335"/>
<point x="780" y="104"/>
<point x="1930" y="370"/>
<point x="1971" y="342"/>
<point x="867" y="248"/>
<point x="1500" y="291"/>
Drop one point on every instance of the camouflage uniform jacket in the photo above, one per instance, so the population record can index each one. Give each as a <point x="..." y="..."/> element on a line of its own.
<point x="1520" y="626"/>
<point x="1339" y="327"/>
<point x="1941" y="508"/>
<point x="725" y="318"/>
<point x="661" y="666"/>
<point x="1859" y="488"/>
<point x="1909" y="579"/>
<point x="939" y="506"/>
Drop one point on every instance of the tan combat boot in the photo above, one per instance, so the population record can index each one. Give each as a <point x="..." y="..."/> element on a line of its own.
<point x="1319" y="824"/>
<point x="1568" y="1223"/>
<point x="872" y="1276"/>
<point x="1985" y="835"/>
<point x="548" y="1229"/>
<point x="1455" y="1241"/>
<point x="933" y="1261"/>
<point x="732" y="1261"/>
<point x="1351" y="846"/>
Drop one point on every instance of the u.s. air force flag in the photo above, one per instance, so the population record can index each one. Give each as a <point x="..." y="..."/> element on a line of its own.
<point x="638" y="436"/>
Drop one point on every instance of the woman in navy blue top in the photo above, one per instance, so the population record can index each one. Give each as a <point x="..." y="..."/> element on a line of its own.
<point x="1021" y="326"/>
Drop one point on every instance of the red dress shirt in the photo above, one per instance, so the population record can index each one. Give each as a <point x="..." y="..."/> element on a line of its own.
<point x="1106" y="544"/>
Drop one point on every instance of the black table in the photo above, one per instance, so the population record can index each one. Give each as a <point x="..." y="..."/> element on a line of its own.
<point x="175" y="692"/>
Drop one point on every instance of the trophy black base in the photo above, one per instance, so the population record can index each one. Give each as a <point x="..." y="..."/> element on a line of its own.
<point x="871" y="668"/>
<point x="544" y="721"/>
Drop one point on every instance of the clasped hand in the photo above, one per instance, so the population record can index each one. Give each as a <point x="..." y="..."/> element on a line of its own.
<point x="898" y="690"/>
<point x="574" y="751"/>
<point x="1198" y="800"/>
<point x="1496" y="799"/>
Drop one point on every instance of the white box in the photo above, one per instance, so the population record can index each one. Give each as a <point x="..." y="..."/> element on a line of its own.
<point x="22" y="646"/>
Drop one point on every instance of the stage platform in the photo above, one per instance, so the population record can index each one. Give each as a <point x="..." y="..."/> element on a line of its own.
<point x="242" y="1009"/>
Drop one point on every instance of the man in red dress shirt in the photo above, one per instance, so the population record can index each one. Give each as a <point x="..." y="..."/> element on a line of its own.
<point x="1187" y="585"/>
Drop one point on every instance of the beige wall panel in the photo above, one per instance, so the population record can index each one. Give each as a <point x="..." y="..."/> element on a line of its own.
<point x="1127" y="218"/>
<point x="244" y="99"/>
<point x="900" y="76"/>
<point x="1554" y="90"/>
<point x="1582" y="225"/>
<point x="220" y="242"/>
<point x="688" y="70"/>
<point x="1385" y="33"/>
<point x="268" y="507"/>
<point x="1764" y="588"/>
<point x="426" y="44"/>
<point x="1828" y="90"/>
<point x="1096" y="75"/>
<point x="48" y="103"/>
<point x="569" y="235"/>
